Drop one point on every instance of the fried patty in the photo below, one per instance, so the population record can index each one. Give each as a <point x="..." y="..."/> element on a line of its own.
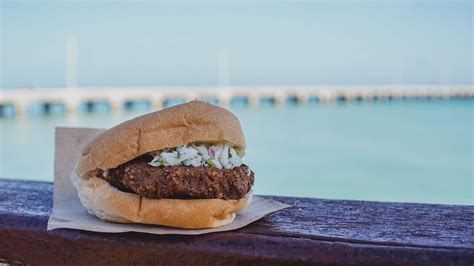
<point x="180" y="182"/>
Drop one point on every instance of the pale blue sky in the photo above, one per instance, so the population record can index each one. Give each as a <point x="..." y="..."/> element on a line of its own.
<point x="164" y="43"/>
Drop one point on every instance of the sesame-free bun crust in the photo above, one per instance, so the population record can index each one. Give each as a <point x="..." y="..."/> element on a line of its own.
<point x="195" y="121"/>
<point x="110" y="204"/>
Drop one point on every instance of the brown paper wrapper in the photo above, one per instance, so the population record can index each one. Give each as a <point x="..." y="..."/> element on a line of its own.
<point x="68" y="211"/>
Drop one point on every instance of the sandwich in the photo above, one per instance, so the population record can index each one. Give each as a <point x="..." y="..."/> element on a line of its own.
<point x="178" y="167"/>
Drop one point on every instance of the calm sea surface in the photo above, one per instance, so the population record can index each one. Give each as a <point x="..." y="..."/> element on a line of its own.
<point x="406" y="151"/>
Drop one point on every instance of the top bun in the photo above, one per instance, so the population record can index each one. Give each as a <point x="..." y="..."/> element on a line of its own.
<point x="195" y="121"/>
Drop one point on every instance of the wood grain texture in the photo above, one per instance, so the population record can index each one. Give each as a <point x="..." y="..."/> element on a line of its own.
<point x="313" y="231"/>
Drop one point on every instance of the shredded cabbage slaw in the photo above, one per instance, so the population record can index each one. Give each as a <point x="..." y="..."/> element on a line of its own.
<point x="222" y="156"/>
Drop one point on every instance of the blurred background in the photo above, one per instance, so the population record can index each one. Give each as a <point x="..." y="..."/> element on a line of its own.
<point x="365" y="100"/>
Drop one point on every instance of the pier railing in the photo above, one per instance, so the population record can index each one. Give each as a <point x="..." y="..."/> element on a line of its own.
<point x="311" y="232"/>
<point x="158" y="97"/>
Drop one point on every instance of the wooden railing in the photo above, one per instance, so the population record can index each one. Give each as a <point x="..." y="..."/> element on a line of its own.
<point x="312" y="231"/>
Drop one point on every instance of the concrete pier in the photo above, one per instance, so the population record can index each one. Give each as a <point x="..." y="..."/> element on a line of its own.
<point x="157" y="97"/>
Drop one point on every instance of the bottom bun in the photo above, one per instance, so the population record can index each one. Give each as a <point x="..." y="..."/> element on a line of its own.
<point x="110" y="204"/>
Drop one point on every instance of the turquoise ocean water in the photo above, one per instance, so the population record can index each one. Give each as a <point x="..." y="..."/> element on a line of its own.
<point x="404" y="151"/>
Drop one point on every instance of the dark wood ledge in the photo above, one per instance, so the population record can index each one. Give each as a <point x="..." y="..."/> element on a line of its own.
<point x="313" y="231"/>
